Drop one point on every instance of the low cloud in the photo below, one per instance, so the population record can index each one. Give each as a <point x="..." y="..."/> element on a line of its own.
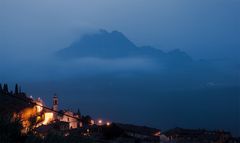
<point x="53" y="69"/>
<point x="92" y="65"/>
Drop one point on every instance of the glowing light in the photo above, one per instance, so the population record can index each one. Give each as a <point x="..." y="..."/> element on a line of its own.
<point x="108" y="123"/>
<point x="99" y="122"/>
<point x="27" y="113"/>
<point x="66" y="134"/>
<point x="38" y="118"/>
<point x="39" y="107"/>
<point x="92" y="122"/>
<point x="157" y="133"/>
<point x="48" y="117"/>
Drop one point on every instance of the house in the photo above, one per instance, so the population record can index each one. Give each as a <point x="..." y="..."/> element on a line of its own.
<point x="197" y="136"/>
<point x="70" y="117"/>
<point x="142" y="133"/>
<point x="51" y="115"/>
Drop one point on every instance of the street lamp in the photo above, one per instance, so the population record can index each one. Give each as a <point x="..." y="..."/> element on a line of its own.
<point x="108" y="123"/>
<point x="100" y="122"/>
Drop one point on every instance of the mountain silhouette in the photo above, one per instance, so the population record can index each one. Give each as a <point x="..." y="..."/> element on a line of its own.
<point x="114" y="44"/>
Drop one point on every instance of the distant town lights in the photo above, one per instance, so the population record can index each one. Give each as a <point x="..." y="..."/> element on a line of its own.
<point x="108" y="123"/>
<point x="100" y="122"/>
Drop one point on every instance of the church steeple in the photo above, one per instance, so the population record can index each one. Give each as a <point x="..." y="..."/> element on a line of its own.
<point x="55" y="106"/>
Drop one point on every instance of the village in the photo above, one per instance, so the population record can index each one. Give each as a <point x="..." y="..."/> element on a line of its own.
<point x="42" y="121"/>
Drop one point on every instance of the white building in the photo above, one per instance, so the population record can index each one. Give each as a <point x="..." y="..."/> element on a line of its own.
<point x="71" y="118"/>
<point x="65" y="116"/>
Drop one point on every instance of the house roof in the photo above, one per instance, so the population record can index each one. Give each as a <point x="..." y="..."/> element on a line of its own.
<point x="138" y="129"/>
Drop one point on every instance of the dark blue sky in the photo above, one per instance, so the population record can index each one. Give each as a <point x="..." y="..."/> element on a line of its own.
<point x="202" y="28"/>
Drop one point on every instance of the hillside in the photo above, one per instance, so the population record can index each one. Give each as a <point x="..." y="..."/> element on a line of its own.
<point x="10" y="103"/>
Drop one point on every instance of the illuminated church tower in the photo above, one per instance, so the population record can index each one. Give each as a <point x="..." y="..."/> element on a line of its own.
<point x="55" y="106"/>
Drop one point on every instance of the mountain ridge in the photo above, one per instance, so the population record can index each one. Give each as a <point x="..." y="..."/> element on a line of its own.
<point x="104" y="44"/>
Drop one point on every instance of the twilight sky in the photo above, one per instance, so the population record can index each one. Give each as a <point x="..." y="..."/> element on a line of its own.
<point x="203" y="28"/>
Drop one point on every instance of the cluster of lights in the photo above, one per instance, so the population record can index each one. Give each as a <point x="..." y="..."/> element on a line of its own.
<point x="100" y="122"/>
<point x="47" y="117"/>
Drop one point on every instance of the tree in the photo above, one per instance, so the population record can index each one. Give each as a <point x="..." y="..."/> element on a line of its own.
<point x="86" y="120"/>
<point x="54" y="137"/>
<point x="1" y="90"/>
<point x="79" y="118"/>
<point x="79" y="113"/>
<point x="33" y="138"/>
<point x="113" y="131"/>
<point x="16" y="89"/>
<point x="10" y="130"/>
<point x="5" y="88"/>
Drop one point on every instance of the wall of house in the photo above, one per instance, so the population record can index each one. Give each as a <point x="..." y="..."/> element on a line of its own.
<point x="67" y="117"/>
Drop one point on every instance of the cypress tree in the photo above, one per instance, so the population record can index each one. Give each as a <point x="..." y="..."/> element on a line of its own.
<point x="1" y="90"/>
<point x="79" y="113"/>
<point x="5" y="88"/>
<point x="16" y="89"/>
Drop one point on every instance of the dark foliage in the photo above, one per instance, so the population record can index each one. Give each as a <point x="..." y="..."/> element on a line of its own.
<point x="16" y="89"/>
<point x="1" y="89"/>
<point x="33" y="138"/>
<point x="86" y="120"/>
<point x="10" y="130"/>
<point x="5" y="89"/>
<point x="112" y="131"/>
